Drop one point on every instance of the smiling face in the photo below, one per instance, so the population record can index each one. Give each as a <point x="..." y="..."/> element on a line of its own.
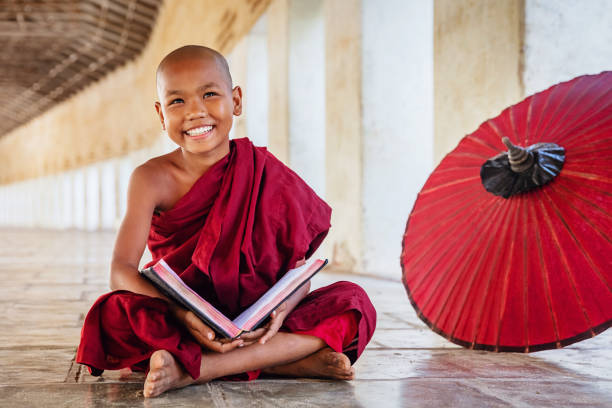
<point x="197" y="103"/>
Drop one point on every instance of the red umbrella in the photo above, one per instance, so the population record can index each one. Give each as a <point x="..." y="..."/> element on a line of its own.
<point x="525" y="263"/>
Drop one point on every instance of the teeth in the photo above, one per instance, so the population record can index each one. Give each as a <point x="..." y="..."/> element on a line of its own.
<point x="199" y="131"/>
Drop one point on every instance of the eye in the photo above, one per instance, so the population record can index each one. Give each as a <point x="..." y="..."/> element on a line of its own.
<point x="175" y="101"/>
<point x="209" y="94"/>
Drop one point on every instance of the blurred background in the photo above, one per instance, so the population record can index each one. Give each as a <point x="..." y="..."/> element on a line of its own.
<point x="362" y="98"/>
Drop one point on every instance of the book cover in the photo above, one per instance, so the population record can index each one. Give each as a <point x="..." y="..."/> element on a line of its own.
<point x="170" y="284"/>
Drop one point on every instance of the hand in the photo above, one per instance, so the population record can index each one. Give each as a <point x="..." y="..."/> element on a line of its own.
<point x="204" y="334"/>
<point x="265" y="333"/>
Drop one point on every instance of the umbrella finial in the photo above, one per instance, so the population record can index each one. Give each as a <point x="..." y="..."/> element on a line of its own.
<point x="520" y="159"/>
<point x="521" y="169"/>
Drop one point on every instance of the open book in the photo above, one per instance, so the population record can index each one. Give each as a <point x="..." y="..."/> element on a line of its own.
<point x="170" y="284"/>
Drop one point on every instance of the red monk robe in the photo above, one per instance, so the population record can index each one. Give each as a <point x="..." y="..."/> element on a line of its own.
<point x="244" y="223"/>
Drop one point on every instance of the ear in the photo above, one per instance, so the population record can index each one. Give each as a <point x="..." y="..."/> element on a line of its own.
<point x="237" y="99"/>
<point x="161" y="114"/>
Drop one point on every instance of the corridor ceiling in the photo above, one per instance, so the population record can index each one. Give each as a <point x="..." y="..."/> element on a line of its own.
<point x="52" y="49"/>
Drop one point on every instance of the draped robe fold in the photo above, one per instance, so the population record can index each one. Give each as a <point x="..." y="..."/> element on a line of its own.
<point x="240" y="227"/>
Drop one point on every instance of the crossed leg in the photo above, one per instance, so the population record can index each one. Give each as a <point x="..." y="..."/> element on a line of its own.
<point x="286" y="354"/>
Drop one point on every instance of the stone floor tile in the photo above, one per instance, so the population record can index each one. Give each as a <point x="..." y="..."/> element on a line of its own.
<point x="29" y="365"/>
<point x="83" y="395"/>
<point x="547" y="393"/>
<point x="411" y="338"/>
<point x="585" y="363"/>
<point x="423" y="393"/>
<point x="80" y="374"/>
<point x="459" y="363"/>
<point x="33" y="336"/>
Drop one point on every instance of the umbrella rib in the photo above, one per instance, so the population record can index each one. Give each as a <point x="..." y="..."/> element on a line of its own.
<point x="459" y="268"/>
<point x="600" y="191"/>
<point x="584" y="217"/>
<point x="575" y="101"/>
<point x="578" y="136"/>
<point x="415" y="242"/>
<point x="464" y="166"/>
<point x="552" y="120"/>
<point x="596" y="229"/>
<point x="447" y="197"/>
<point x="574" y="136"/>
<point x="545" y="279"/>
<point x="504" y="227"/>
<point x="536" y="132"/>
<point x="587" y="176"/>
<point x="469" y="155"/>
<point x="579" y="120"/>
<point x="433" y="248"/>
<point x="495" y="129"/>
<point x="566" y="265"/>
<point x="449" y="184"/>
<point x="585" y="154"/>
<point x="481" y="142"/>
<point x="479" y="265"/>
<point x="579" y="244"/>
<point x="471" y="235"/>
<point x="506" y="280"/>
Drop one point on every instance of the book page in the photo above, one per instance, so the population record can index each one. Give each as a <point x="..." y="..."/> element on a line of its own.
<point x="190" y="299"/>
<point x="281" y="290"/>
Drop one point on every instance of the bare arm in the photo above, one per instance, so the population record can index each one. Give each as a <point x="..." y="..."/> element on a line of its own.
<point x="132" y="236"/>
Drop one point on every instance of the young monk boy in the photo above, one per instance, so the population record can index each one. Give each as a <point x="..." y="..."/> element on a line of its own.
<point x="230" y="219"/>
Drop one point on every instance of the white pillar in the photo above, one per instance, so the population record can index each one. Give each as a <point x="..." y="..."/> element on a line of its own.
<point x="78" y="206"/>
<point x="277" y="18"/>
<point x="34" y="190"/>
<point x="108" y="194"/>
<point x="55" y="221"/>
<point x="307" y="92"/>
<point x="256" y="95"/>
<point x="92" y="198"/>
<point x="67" y="199"/>
<point x="397" y="84"/>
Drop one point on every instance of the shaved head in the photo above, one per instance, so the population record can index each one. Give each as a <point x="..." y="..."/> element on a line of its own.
<point x="188" y="52"/>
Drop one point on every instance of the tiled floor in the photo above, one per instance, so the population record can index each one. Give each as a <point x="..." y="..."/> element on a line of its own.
<point x="51" y="278"/>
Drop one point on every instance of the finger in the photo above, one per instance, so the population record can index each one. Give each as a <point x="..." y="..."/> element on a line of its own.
<point x="231" y="346"/>
<point x="248" y="343"/>
<point x="274" y="326"/>
<point x="196" y="324"/>
<point x="205" y="341"/>
<point x="253" y="335"/>
<point x="219" y="347"/>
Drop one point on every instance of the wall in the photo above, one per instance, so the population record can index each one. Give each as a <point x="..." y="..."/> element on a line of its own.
<point x="307" y="92"/>
<point x="477" y="68"/>
<point x="564" y="39"/>
<point x="115" y="115"/>
<point x="397" y="85"/>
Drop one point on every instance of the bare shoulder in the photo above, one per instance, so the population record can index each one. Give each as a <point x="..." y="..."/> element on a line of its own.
<point x="155" y="180"/>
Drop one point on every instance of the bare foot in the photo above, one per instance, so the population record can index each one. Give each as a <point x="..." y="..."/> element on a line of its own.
<point x="325" y="363"/>
<point x="164" y="374"/>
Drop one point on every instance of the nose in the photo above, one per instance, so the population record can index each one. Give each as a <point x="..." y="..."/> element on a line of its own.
<point x="196" y="108"/>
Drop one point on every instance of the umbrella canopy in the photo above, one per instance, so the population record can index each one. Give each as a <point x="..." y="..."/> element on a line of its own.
<point x="513" y="251"/>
